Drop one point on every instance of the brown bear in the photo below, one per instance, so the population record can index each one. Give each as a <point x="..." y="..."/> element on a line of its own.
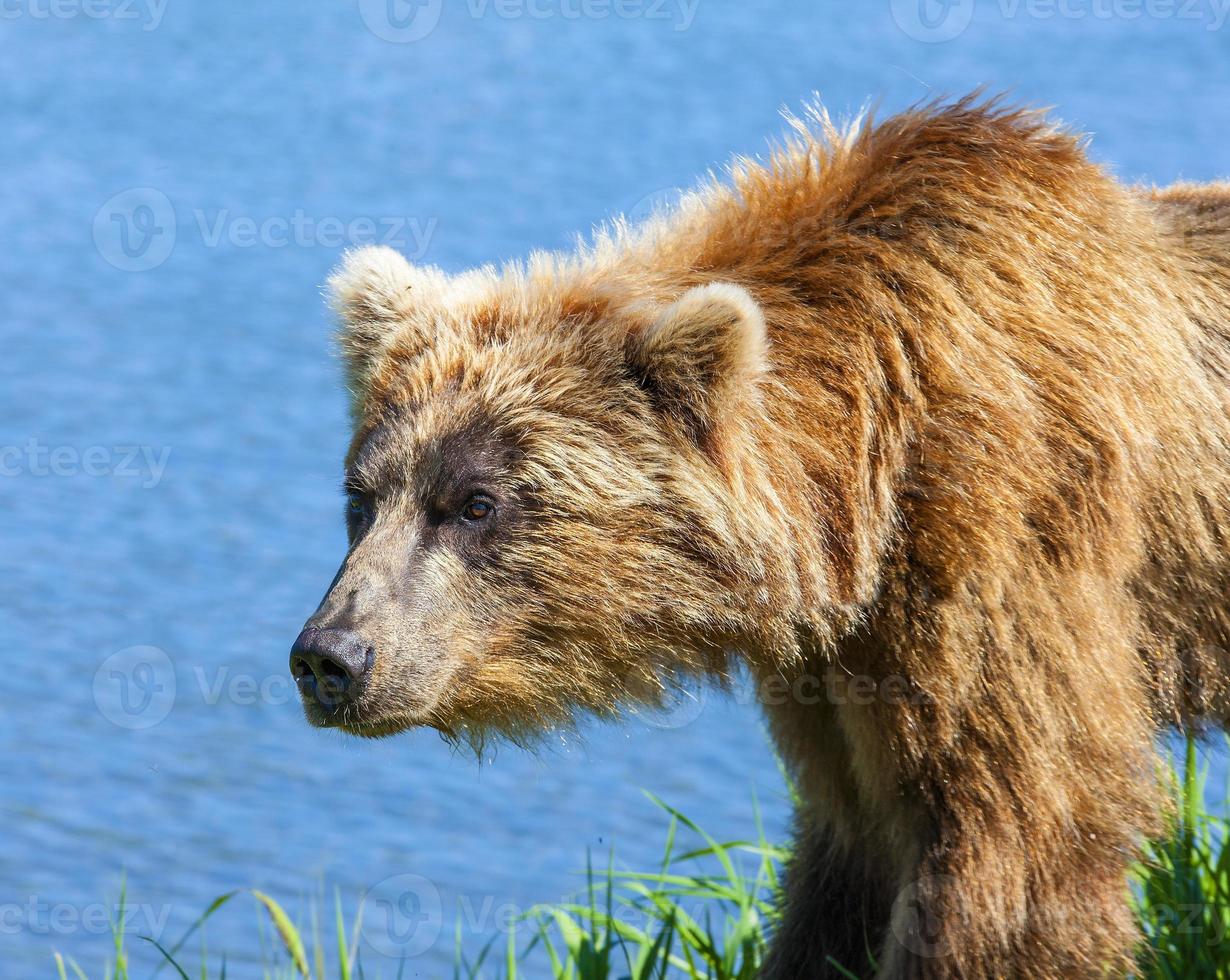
<point x="934" y="406"/>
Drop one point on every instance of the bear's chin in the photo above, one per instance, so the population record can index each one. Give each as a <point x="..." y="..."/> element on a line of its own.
<point x="382" y="728"/>
<point x="353" y="724"/>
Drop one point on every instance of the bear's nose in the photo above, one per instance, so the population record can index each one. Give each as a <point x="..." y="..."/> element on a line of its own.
<point x="330" y="666"/>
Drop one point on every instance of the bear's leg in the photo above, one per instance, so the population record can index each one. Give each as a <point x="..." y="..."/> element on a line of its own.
<point x="835" y="909"/>
<point x="985" y="901"/>
<point x="1006" y="899"/>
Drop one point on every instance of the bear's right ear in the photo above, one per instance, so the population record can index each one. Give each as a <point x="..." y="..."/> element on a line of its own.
<point x="703" y="355"/>
<point x="381" y="300"/>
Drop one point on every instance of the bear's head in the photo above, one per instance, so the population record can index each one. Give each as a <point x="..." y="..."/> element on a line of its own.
<point x="553" y="499"/>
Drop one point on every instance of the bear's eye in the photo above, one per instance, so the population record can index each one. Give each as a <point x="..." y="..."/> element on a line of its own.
<point x="478" y="509"/>
<point x="358" y="509"/>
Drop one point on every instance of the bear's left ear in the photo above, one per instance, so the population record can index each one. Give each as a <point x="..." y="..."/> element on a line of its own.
<point x="702" y="356"/>
<point x="381" y="300"/>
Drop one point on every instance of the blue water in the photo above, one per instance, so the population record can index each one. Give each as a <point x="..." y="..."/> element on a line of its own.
<point x="183" y="318"/>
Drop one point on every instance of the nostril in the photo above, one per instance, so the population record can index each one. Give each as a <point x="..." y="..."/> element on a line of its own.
<point x="332" y="682"/>
<point x="330" y="666"/>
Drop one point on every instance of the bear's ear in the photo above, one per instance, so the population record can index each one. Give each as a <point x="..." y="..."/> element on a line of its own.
<point x="702" y="356"/>
<point x="381" y="300"/>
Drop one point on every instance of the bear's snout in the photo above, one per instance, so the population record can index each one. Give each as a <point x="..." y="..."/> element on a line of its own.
<point x="330" y="667"/>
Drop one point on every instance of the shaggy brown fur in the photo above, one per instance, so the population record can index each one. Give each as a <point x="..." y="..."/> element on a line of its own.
<point x="933" y="405"/>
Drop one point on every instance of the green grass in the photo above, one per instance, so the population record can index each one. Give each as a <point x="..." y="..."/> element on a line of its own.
<point x="1182" y="895"/>
<point x="704" y="912"/>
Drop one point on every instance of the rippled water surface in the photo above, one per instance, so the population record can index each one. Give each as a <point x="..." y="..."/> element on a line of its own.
<point x="262" y="137"/>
